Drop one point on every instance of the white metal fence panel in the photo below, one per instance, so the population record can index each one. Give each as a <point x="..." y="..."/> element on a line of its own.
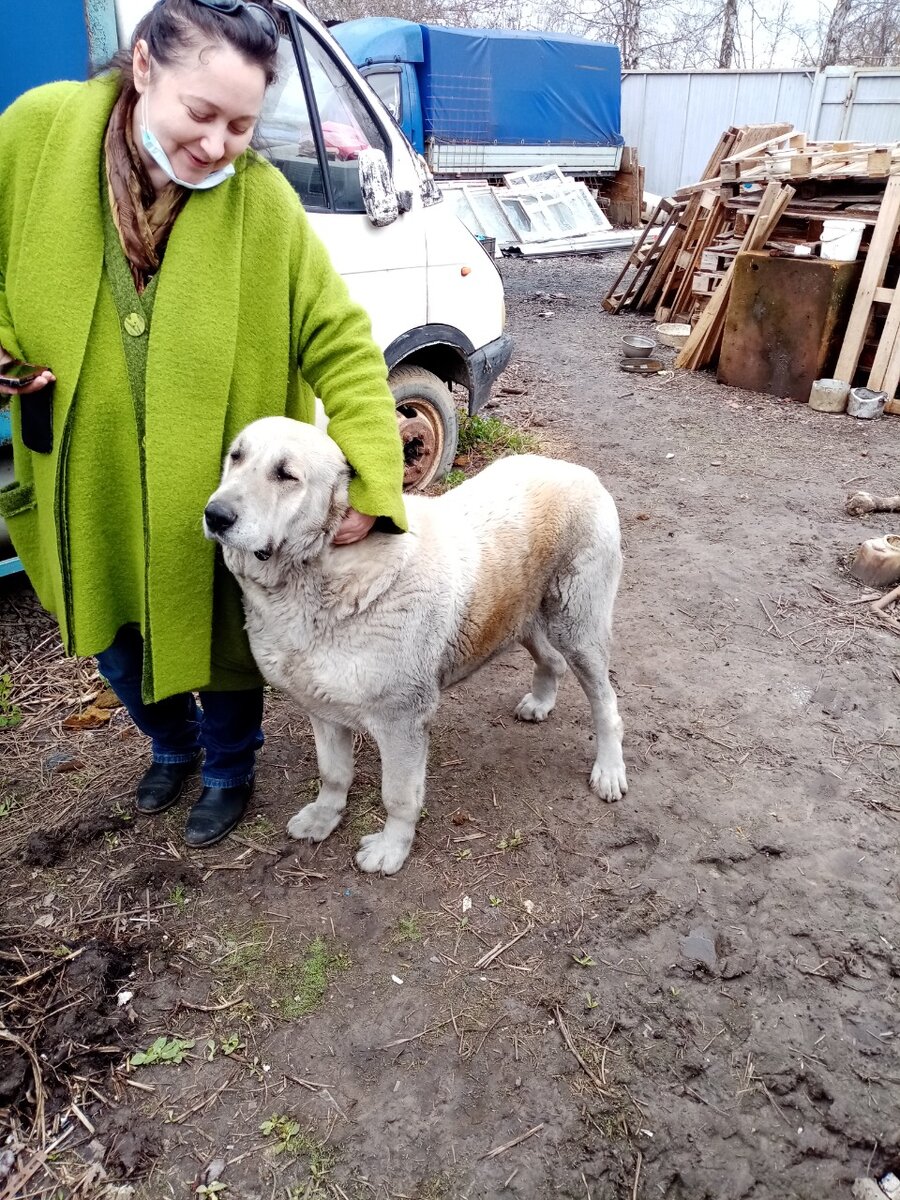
<point x="872" y="107"/>
<point x="675" y="117"/>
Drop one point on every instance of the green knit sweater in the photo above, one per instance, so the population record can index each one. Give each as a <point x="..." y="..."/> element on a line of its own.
<point x="249" y="319"/>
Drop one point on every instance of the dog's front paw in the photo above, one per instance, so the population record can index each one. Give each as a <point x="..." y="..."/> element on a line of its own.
<point x="313" y="822"/>
<point x="382" y="852"/>
<point x="530" y="709"/>
<point x="609" y="780"/>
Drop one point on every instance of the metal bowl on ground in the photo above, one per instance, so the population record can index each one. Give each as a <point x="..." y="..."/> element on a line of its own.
<point x="634" y="346"/>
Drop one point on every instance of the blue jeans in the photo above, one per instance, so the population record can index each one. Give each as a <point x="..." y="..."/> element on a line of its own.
<point x="226" y="725"/>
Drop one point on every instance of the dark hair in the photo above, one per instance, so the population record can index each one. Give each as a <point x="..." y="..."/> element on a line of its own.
<point x="174" y="26"/>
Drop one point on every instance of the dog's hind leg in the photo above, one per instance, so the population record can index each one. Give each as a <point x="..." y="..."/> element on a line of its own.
<point x="549" y="668"/>
<point x="580" y="626"/>
<point x="334" y="749"/>
<point x="403" y="746"/>
<point x="590" y="664"/>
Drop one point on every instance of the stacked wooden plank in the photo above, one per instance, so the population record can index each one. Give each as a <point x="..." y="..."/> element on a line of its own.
<point x="659" y="275"/>
<point x="772" y="187"/>
<point x="706" y="336"/>
<point x="877" y="308"/>
<point x="793" y="157"/>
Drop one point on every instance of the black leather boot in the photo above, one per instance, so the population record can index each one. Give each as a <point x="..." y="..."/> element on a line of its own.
<point x="216" y="813"/>
<point x="162" y="784"/>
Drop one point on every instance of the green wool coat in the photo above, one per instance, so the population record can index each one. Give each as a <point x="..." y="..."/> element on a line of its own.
<point x="109" y="525"/>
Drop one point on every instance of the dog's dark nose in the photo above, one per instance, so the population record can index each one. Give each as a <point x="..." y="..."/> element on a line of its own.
<point x="219" y="517"/>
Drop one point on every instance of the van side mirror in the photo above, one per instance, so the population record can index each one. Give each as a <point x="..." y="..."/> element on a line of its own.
<point x="377" y="187"/>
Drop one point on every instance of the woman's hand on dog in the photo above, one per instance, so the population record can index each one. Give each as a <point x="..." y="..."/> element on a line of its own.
<point x="354" y="527"/>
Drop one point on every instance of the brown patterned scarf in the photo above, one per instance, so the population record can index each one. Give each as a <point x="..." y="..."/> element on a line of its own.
<point x="143" y="218"/>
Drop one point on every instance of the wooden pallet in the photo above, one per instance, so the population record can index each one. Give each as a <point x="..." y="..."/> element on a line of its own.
<point x="884" y="375"/>
<point x="703" y="344"/>
<point x="631" y="282"/>
<point x="661" y="273"/>
<point x="713" y="218"/>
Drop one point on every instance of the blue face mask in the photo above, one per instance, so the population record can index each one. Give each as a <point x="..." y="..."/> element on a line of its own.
<point x="159" y="156"/>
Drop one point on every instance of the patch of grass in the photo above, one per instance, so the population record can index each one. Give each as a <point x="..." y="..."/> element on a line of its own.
<point x="364" y="814"/>
<point x="10" y="713"/>
<point x="436" y="1188"/>
<point x="454" y="478"/>
<point x="303" y="984"/>
<point x="288" y="1138"/>
<point x="295" y="986"/>
<point x="492" y="437"/>
<point x="260" y="829"/>
<point x="247" y="961"/>
<point x="178" y="897"/>
<point x="409" y="929"/>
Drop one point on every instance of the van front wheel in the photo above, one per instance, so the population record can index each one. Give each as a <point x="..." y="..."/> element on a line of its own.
<point x="428" y="425"/>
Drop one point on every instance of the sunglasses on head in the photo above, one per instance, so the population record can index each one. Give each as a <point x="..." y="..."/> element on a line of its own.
<point x="260" y="15"/>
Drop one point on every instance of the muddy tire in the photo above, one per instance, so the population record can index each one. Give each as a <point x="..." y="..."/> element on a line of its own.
<point x="428" y="425"/>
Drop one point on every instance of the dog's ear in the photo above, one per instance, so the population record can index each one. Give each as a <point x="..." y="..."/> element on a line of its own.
<point x="339" y="497"/>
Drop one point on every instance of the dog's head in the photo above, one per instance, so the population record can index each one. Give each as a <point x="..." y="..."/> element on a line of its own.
<point x="283" y="495"/>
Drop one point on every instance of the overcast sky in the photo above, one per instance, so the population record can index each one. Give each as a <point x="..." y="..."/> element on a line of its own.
<point x="756" y="41"/>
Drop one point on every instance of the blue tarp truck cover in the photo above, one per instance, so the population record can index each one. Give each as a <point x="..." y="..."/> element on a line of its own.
<point x="480" y="85"/>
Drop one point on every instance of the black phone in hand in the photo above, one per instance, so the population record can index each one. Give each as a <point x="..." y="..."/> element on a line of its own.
<point x="37" y="419"/>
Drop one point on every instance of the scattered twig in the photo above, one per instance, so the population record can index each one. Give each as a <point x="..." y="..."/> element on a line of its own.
<point x="210" y="1007"/>
<point x="38" y="1123"/>
<point x="514" y="1142"/>
<point x="574" y="1050"/>
<point x="414" y="1038"/>
<point x="244" y="841"/>
<point x="22" y="980"/>
<point x="309" y="1084"/>
<point x="500" y="948"/>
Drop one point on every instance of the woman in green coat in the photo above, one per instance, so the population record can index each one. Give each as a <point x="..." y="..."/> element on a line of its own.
<point x="168" y="278"/>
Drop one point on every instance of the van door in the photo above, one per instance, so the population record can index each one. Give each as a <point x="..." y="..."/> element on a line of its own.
<point x="315" y="122"/>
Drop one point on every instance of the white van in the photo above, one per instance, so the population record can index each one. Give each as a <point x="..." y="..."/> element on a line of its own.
<point x="434" y="296"/>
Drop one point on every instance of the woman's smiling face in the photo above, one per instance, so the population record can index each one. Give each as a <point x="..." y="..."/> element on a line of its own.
<point x="202" y="108"/>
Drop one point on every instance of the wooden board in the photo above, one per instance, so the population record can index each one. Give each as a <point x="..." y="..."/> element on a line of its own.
<point x="874" y="269"/>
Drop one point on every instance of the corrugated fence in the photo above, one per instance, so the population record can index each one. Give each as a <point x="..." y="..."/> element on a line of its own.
<point x="675" y="117"/>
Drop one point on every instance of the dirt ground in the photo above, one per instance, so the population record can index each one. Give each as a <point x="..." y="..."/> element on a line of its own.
<point x="691" y="994"/>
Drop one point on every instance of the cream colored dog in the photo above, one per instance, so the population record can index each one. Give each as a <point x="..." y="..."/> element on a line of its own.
<point x="364" y="637"/>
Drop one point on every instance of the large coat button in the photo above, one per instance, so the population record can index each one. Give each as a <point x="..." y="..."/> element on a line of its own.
<point x="135" y="324"/>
